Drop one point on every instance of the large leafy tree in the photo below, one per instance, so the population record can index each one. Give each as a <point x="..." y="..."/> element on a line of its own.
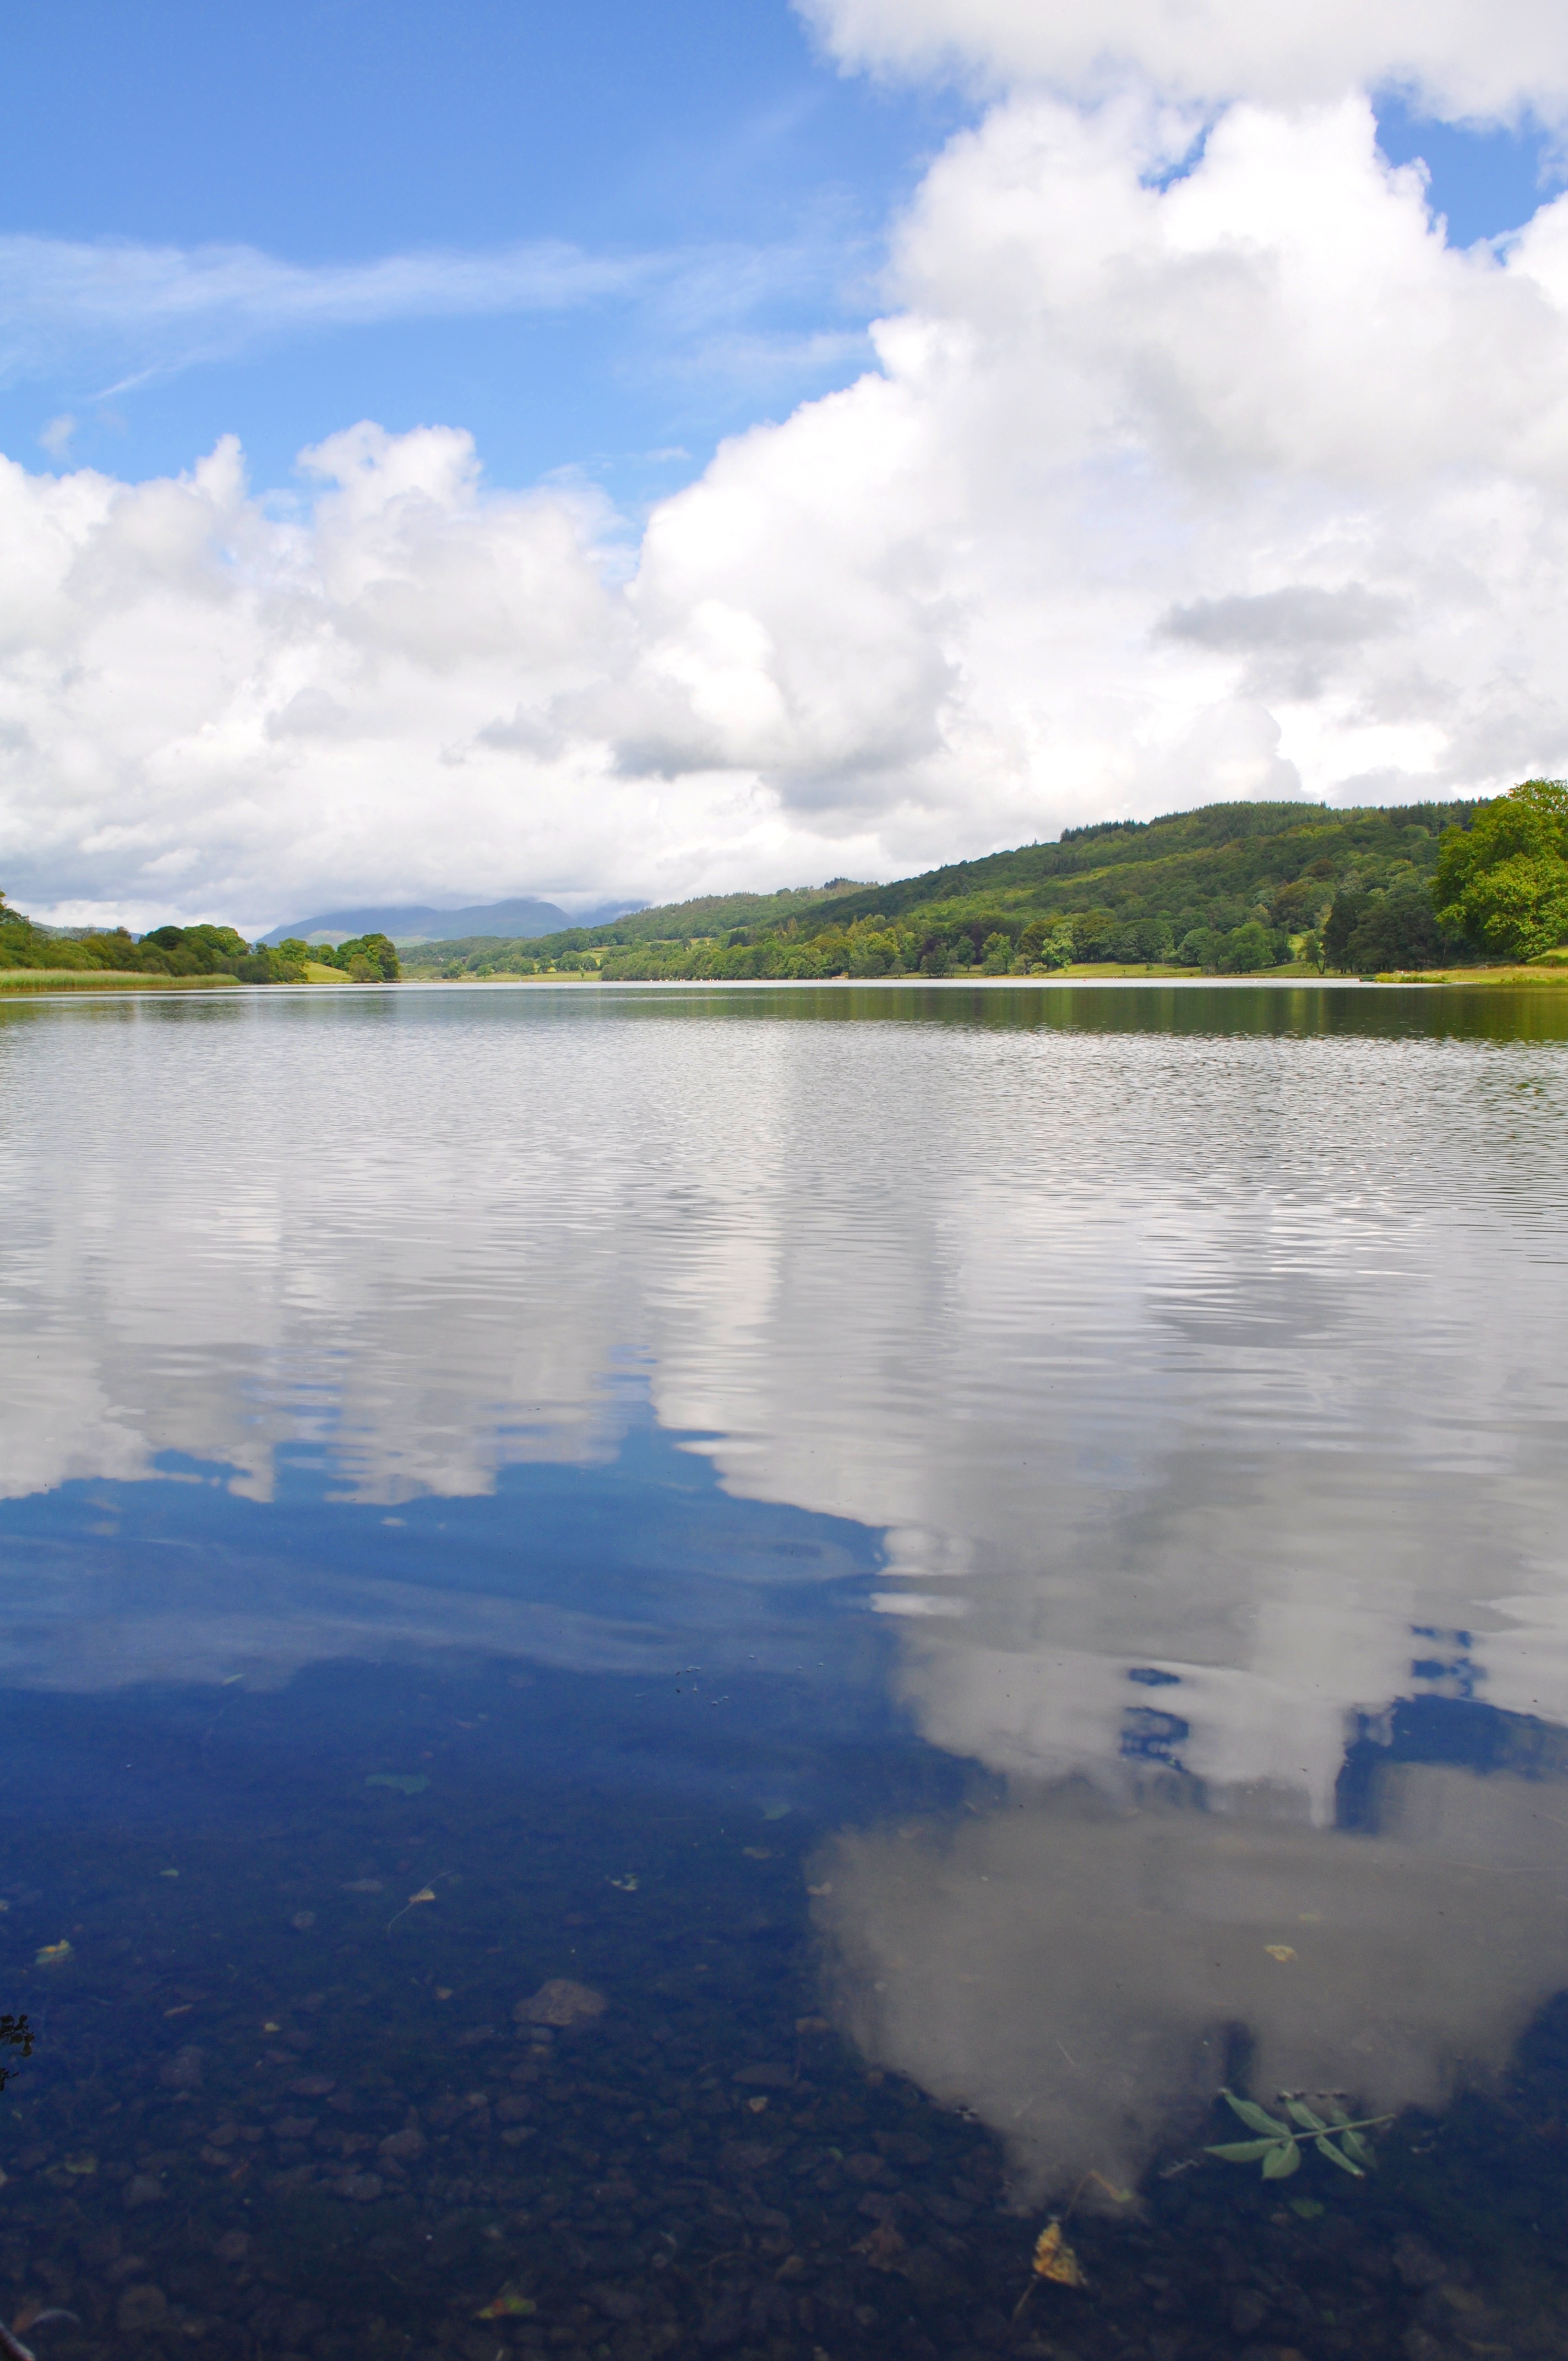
<point x="369" y="958"/>
<point x="1504" y="881"/>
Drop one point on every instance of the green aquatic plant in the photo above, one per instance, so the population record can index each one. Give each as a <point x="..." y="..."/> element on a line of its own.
<point x="1278" y="2150"/>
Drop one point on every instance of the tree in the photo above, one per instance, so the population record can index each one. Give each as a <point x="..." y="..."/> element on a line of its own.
<point x="1503" y="883"/>
<point x="369" y="958"/>
<point x="1250" y="946"/>
<point x="1399" y="929"/>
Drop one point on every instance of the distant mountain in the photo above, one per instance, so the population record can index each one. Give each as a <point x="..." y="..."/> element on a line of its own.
<point x="411" y="923"/>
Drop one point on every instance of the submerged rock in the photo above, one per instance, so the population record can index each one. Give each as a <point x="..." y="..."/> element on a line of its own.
<point x="561" y="2003"/>
<point x="141" y="2307"/>
<point x="183" y="2071"/>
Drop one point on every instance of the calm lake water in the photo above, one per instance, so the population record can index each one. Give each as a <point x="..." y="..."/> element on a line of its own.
<point x="673" y="1661"/>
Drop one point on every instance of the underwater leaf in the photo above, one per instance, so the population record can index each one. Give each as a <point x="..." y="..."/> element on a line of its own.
<point x="1349" y="2135"/>
<point x="1304" y="2115"/>
<point x="1257" y="2117"/>
<point x="407" y="1783"/>
<point x="1326" y="2147"/>
<point x="1243" y="2151"/>
<point x="512" y="2303"/>
<point x="1054" y="2258"/>
<point x="1281" y="2161"/>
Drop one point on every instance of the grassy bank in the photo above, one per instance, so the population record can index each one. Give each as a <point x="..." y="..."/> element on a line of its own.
<point x="107" y="979"/>
<point x="110" y="979"/>
<point x="1539" y="972"/>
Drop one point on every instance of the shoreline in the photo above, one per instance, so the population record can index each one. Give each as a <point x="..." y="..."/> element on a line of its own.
<point x="22" y="983"/>
<point x="1100" y="976"/>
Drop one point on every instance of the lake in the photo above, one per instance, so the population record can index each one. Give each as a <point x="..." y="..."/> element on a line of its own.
<point x="676" y="1661"/>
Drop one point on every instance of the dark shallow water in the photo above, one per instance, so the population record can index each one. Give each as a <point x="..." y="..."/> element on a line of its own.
<point x="970" y="1567"/>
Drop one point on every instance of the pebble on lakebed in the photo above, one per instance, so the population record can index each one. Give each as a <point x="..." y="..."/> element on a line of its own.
<point x="561" y="2003"/>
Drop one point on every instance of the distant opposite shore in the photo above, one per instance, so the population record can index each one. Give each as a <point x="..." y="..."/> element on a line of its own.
<point x="1469" y="892"/>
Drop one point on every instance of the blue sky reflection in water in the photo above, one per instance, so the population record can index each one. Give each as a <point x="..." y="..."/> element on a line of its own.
<point x="975" y="1562"/>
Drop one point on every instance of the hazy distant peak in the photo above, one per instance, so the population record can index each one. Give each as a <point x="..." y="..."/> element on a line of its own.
<point x="523" y="916"/>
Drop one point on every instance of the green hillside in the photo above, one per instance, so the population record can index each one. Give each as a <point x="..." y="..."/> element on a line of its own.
<point x="1228" y="888"/>
<point x="711" y="917"/>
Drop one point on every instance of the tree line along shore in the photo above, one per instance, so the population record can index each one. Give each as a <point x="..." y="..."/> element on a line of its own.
<point x="52" y="958"/>
<point x="1230" y="889"/>
<point x="1477" y="888"/>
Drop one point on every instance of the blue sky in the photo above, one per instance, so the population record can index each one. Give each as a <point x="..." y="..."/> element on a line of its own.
<point x="720" y="190"/>
<point x="736" y="183"/>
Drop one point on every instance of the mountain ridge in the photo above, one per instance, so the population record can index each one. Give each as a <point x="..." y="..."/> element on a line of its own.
<point x="410" y="922"/>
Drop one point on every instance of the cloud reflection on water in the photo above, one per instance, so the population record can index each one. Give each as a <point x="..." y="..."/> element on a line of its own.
<point x="1208" y="1389"/>
<point x="1082" y="1975"/>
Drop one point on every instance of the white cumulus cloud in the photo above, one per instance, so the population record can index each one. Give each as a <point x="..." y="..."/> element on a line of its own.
<point x="1240" y="482"/>
<point x="1457" y="58"/>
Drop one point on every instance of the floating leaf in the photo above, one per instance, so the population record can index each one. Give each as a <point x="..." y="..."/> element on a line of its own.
<point x="1054" y="2258"/>
<point x="1257" y="2117"/>
<point x="52" y="1954"/>
<point x="1282" y="2161"/>
<point x="407" y="1783"/>
<point x="1280" y="1951"/>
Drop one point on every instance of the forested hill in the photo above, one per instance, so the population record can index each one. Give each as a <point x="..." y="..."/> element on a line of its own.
<point x="1186" y="859"/>
<point x="1244" y="885"/>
